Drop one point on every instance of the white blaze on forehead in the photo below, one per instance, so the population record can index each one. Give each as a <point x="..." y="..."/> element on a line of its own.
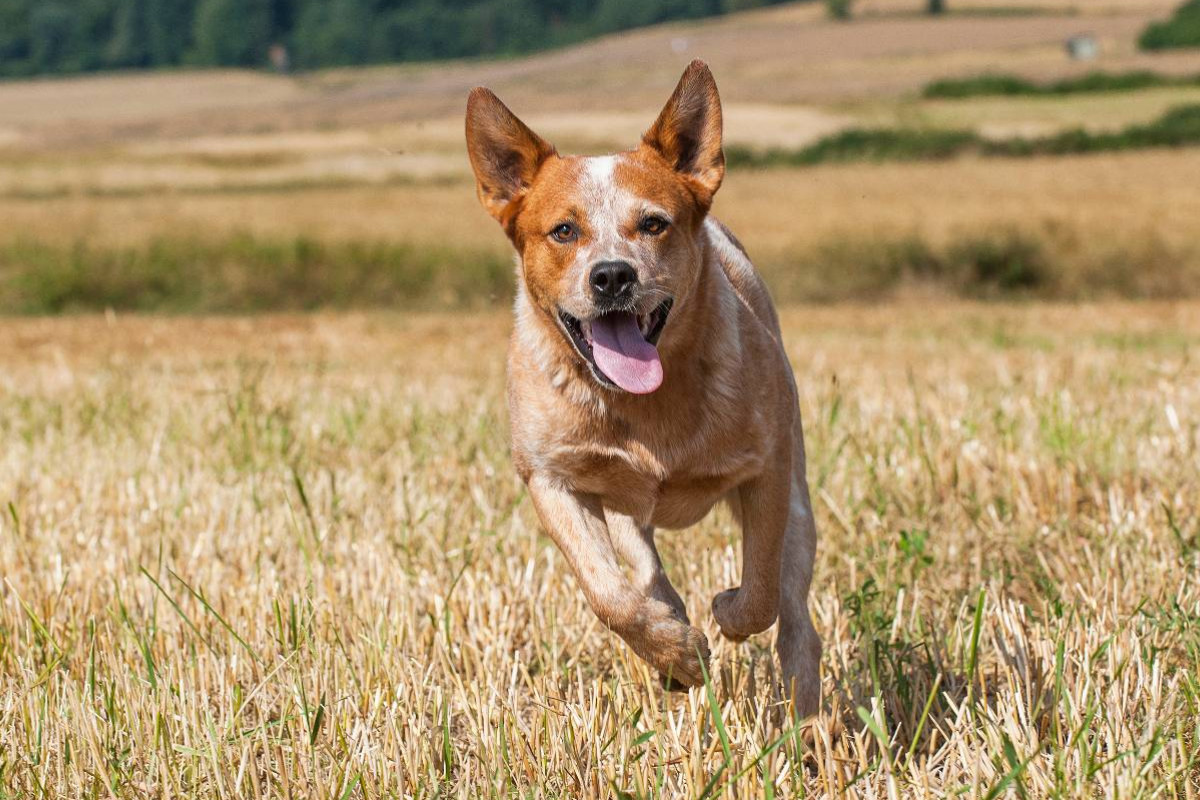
<point x="608" y="207"/>
<point x="600" y="169"/>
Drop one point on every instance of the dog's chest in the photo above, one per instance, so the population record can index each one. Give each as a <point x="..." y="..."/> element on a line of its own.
<point x="669" y="477"/>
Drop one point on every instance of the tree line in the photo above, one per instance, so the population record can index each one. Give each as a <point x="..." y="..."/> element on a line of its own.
<point x="843" y="9"/>
<point x="65" y="36"/>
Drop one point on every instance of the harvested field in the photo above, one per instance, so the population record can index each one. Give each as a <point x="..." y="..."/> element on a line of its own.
<point x="287" y="556"/>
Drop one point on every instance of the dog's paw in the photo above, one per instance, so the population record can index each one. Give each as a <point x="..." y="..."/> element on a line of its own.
<point x="739" y="620"/>
<point x="671" y="685"/>
<point x="676" y="650"/>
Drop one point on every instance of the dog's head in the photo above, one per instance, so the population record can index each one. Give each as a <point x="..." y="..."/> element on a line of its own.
<point x="608" y="244"/>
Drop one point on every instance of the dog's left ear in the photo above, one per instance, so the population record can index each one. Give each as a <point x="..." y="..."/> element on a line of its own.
<point x="687" y="132"/>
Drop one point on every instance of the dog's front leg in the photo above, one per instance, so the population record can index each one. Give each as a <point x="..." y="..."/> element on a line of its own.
<point x="635" y="544"/>
<point x="576" y="523"/>
<point x="761" y="504"/>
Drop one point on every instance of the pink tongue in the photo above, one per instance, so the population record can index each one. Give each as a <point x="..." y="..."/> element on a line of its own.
<point x="624" y="355"/>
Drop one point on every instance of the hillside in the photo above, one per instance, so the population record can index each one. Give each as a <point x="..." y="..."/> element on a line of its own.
<point x="778" y="56"/>
<point x="227" y="171"/>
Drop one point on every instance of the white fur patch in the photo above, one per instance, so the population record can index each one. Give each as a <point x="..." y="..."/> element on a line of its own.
<point x="600" y="169"/>
<point x="730" y="253"/>
<point x="608" y="206"/>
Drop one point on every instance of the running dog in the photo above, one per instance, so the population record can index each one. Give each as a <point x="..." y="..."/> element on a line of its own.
<point x="647" y="380"/>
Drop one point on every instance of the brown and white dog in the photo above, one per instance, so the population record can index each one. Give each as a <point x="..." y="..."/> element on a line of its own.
<point x="647" y="379"/>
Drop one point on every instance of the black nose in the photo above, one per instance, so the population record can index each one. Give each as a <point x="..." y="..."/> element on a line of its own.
<point x="613" y="279"/>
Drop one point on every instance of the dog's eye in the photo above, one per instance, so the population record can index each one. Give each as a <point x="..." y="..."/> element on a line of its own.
<point x="653" y="225"/>
<point x="564" y="232"/>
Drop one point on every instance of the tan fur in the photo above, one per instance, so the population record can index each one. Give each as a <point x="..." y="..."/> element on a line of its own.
<point x="605" y="467"/>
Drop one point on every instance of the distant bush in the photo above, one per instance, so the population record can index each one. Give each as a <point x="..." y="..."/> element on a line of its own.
<point x="978" y="85"/>
<point x="838" y="9"/>
<point x="1177" y="128"/>
<point x="886" y="145"/>
<point x="861" y="144"/>
<point x="1000" y="264"/>
<point x="1181" y="30"/>
<point x="1012" y="85"/>
<point x="989" y="263"/>
<point x="245" y="274"/>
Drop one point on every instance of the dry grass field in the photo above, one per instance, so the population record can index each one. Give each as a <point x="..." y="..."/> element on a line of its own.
<point x="287" y="557"/>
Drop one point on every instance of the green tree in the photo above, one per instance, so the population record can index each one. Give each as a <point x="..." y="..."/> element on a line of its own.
<point x="333" y="33"/>
<point x="130" y="43"/>
<point x="56" y="36"/>
<point x="51" y="36"/>
<point x="232" y="32"/>
<point x="428" y="29"/>
<point x="169" y="30"/>
<point x="14" y="37"/>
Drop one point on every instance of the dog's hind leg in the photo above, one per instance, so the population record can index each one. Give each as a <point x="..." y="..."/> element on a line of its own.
<point x="635" y="543"/>
<point x="797" y="643"/>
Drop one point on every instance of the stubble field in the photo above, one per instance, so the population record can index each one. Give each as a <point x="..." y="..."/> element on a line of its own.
<point x="287" y="557"/>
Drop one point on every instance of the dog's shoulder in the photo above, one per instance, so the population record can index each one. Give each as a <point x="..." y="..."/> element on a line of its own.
<point x="743" y="277"/>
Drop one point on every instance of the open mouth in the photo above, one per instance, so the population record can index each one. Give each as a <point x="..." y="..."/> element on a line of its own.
<point x="620" y="346"/>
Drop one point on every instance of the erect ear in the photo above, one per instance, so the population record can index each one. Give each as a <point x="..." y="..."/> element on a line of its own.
<point x="687" y="132"/>
<point x="505" y="155"/>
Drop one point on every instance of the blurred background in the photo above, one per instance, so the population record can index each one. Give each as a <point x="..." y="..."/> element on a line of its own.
<point x="245" y="155"/>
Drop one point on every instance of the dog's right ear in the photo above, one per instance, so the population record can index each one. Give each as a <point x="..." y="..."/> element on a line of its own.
<point x="505" y="155"/>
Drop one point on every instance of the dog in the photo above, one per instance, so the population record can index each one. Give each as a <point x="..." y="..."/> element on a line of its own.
<point x="647" y="380"/>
